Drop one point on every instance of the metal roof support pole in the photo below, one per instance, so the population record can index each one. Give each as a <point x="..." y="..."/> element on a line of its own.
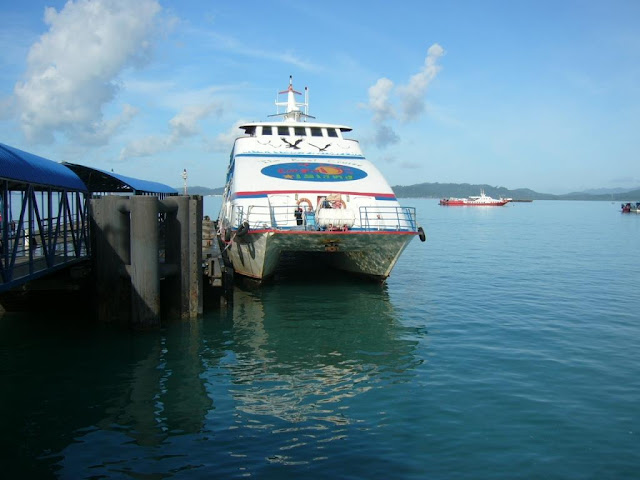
<point x="29" y="237"/>
<point x="4" y="232"/>
<point x="50" y="250"/>
<point x="60" y="231"/>
<point x="145" y="263"/>
<point x="82" y="212"/>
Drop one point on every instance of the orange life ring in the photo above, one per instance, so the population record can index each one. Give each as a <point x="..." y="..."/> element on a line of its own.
<point x="305" y="200"/>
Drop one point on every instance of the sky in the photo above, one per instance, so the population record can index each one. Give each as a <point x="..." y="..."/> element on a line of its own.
<point x="527" y="94"/>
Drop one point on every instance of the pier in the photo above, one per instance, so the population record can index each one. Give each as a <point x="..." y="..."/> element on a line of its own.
<point x="44" y="223"/>
<point x="143" y="252"/>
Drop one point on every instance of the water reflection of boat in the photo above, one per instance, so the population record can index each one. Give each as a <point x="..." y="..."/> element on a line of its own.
<point x="304" y="360"/>
<point x="279" y="372"/>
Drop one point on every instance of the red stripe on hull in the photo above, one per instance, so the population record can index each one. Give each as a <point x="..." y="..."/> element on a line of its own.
<point x="319" y="192"/>
<point x="331" y="232"/>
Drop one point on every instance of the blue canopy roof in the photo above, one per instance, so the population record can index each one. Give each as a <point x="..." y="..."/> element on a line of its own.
<point x="19" y="166"/>
<point x="29" y="168"/>
<point x="145" y="185"/>
<point x="102" y="181"/>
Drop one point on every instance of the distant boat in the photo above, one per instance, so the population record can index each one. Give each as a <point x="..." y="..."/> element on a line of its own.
<point x="629" y="208"/>
<point x="481" y="200"/>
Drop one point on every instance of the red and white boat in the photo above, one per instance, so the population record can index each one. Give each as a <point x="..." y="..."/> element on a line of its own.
<point x="630" y="208"/>
<point x="481" y="200"/>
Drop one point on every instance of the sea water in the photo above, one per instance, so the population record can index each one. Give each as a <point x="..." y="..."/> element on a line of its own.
<point x="505" y="346"/>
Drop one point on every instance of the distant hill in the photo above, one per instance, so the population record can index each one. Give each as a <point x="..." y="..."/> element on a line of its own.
<point x="440" y="190"/>
<point x="608" y="191"/>
<point x="201" y="190"/>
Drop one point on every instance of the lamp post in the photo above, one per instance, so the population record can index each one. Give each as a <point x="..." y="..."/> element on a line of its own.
<point x="184" y="177"/>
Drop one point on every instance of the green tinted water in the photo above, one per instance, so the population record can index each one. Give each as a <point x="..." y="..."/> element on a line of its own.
<point x="505" y="346"/>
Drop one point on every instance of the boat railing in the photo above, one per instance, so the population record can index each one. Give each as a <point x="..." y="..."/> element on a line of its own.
<point x="388" y="218"/>
<point x="288" y="217"/>
<point x="280" y="217"/>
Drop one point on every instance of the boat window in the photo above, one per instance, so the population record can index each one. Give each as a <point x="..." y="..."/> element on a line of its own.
<point x="266" y="130"/>
<point x="283" y="130"/>
<point x="300" y="131"/>
<point x="332" y="132"/>
<point x="250" y="131"/>
<point x="316" y="132"/>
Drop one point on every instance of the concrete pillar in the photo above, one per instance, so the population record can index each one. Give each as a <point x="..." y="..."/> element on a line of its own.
<point x="128" y="269"/>
<point x="111" y="254"/>
<point x="195" y="255"/>
<point x="145" y="264"/>
<point x="176" y="287"/>
<point x="184" y="248"/>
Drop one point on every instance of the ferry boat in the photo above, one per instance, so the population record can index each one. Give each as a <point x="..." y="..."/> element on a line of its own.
<point x="295" y="187"/>
<point x="481" y="200"/>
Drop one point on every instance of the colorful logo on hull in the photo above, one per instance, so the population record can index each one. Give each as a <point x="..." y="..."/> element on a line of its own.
<point x="314" y="172"/>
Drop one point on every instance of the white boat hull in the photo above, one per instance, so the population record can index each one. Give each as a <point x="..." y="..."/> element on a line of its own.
<point x="373" y="254"/>
<point x="296" y="188"/>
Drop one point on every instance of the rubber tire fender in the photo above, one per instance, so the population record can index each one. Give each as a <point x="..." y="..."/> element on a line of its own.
<point x="243" y="229"/>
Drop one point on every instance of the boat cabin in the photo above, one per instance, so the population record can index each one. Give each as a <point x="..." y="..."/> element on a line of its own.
<point x="284" y="130"/>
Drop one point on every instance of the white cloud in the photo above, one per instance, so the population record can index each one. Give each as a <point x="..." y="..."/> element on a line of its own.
<point x="379" y="102"/>
<point x="412" y="98"/>
<point x="99" y="132"/>
<point x="383" y="111"/>
<point x="145" y="147"/>
<point x="231" y="44"/>
<point x="73" y="69"/>
<point x="171" y="94"/>
<point x="183" y="125"/>
<point x="223" y="142"/>
<point x="385" y="136"/>
<point x="413" y="94"/>
<point x="7" y="107"/>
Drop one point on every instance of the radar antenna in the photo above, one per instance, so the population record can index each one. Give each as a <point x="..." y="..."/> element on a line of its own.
<point x="292" y="108"/>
